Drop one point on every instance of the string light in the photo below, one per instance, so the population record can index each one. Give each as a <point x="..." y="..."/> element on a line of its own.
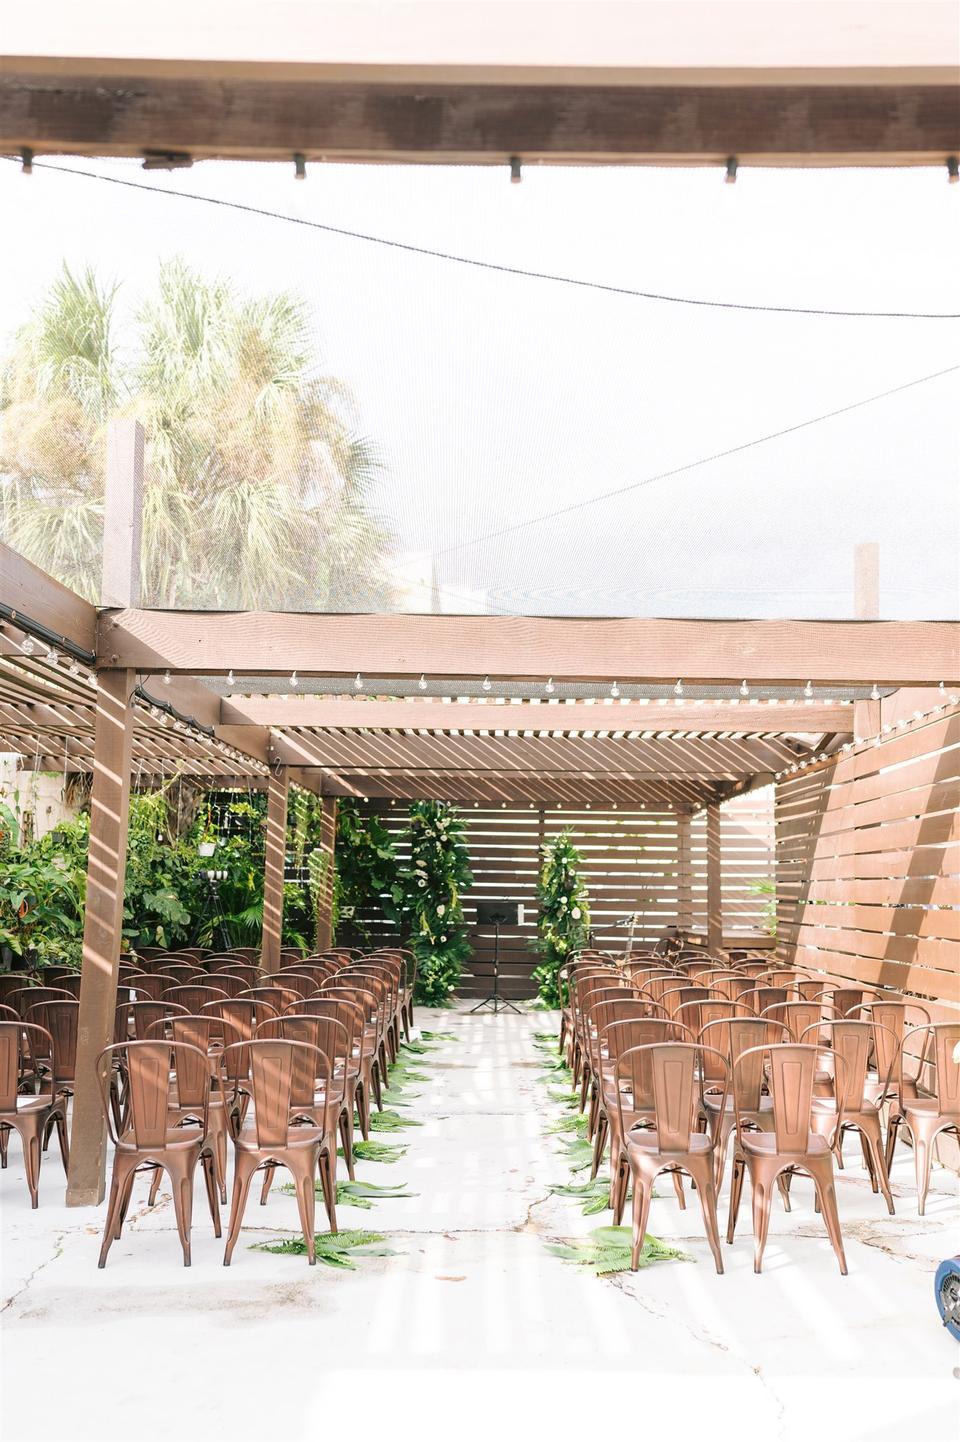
<point x="74" y="668"/>
<point x="614" y="690"/>
<point x="230" y="677"/>
<point x="744" y="689"/>
<point x="875" y="692"/>
<point x="294" y="682"/>
<point x="358" y="683"/>
<point x="422" y="683"/>
<point x="28" y="645"/>
<point x="550" y="688"/>
<point x="166" y="678"/>
<point x="808" y="690"/>
<point x="52" y="657"/>
<point x="678" y="689"/>
<point x="485" y="684"/>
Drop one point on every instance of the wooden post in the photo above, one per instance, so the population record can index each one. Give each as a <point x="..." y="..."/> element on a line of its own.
<point x="328" y="841"/>
<point x="714" y="883"/>
<point x="278" y="790"/>
<point x="106" y="867"/>
<point x="109" y="817"/>
<point x="684" y="872"/>
<point x="866" y="607"/>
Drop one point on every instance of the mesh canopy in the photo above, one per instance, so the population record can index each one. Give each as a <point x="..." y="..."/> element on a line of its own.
<point x="339" y="425"/>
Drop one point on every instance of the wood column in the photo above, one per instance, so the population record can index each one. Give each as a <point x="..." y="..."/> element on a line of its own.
<point x="278" y="791"/>
<point x="106" y="867"/>
<point x="684" y="872"/>
<point x="109" y="818"/>
<point x="714" y="883"/>
<point x="866" y="607"/>
<point x="328" y="842"/>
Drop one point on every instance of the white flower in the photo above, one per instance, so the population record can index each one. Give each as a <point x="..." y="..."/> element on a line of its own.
<point x="575" y="913"/>
<point x="441" y="909"/>
<point x="443" y="938"/>
<point x="421" y="883"/>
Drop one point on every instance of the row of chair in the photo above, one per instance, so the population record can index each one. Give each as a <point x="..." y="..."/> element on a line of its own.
<point x="671" y="1072"/>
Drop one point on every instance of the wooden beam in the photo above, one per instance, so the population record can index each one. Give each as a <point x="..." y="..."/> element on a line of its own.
<point x="102" y="932"/>
<point x="278" y="790"/>
<point x="27" y="590"/>
<point x="122" y="514"/>
<point x="714" y="882"/>
<point x="328" y="844"/>
<point x="333" y="713"/>
<point x="698" y="117"/>
<point x="891" y="653"/>
<point x="866" y="607"/>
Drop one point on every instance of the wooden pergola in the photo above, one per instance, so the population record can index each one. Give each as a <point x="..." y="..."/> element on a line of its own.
<point x="734" y="88"/>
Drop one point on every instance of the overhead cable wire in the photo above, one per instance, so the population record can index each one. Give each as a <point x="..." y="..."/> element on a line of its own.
<point x="497" y="267"/>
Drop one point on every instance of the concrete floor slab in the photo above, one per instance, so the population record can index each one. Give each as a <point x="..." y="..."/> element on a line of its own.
<point x="471" y="1323"/>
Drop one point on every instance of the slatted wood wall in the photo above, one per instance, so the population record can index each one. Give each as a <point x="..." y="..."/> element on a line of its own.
<point x="631" y="863"/>
<point x="868" y="862"/>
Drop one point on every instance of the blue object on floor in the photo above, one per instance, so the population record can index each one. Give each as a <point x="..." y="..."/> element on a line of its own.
<point x="947" y="1291"/>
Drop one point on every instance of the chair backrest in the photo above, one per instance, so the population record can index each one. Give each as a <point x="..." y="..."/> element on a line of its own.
<point x="137" y="1018"/>
<point x="193" y="997"/>
<point x="851" y="1040"/>
<point x="25" y="997"/>
<point x="696" y="1016"/>
<point x="59" y="1019"/>
<point x="148" y="1066"/>
<point x="280" y="1072"/>
<point x="147" y="985"/>
<point x="20" y="1042"/>
<point x="180" y="973"/>
<point x="244" y="1013"/>
<point x="627" y="1045"/>
<point x="277" y="997"/>
<point x="54" y="973"/>
<point x="796" y="1016"/>
<point x="252" y="974"/>
<point x="673" y="1068"/>
<point x="348" y="1013"/>
<point x="292" y="981"/>
<point x="892" y="1019"/>
<point x="790" y="1069"/>
<point x="330" y="1038"/>
<point x="338" y="988"/>
<point x="844" y="1001"/>
<point x="199" y="1034"/>
<point x="940" y="1043"/>
<point x="747" y="1034"/>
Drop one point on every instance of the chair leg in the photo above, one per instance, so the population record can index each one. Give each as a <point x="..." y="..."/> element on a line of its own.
<point x="126" y="1192"/>
<point x="209" y="1164"/>
<point x="329" y="1186"/>
<point x="244" y="1166"/>
<point x="599" y="1143"/>
<point x="363" y="1107"/>
<point x="63" y="1137"/>
<point x="892" y="1128"/>
<point x="304" y="1172"/>
<point x="181" y="1177"/>
<point x="268" y="1175"/>
<point x="923" y="1164"/>
<point x="376" y="1083"/>
<point x="873" y="1147"/>
<point x="4" y="1140"/>
<point x="823" y="1181"/>
<point x="736" y="1190"/>
<point x="678" y="1188"/>
<point x="346" y="1137"/>
<point x="642" y="1192"/>
<point x="761" y="1216"/>
<point x="707" y="1192"/>
<point x="31" y="1161"/>
<point x="123" y="1171"/>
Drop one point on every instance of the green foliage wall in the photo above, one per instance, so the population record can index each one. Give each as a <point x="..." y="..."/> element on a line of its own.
<point x="366" y="876"/>
<point x="429" y="890"/>
<point x="564" y="916"/>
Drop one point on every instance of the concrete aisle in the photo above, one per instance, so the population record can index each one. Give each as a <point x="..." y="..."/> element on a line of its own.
<point x="472" y="1323"/>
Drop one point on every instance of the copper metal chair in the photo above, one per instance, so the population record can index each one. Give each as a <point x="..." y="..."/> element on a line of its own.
<point x="193" y="996"/>
<point x="861" y="1100"/>
<point x="332" y="1104"/>
<point x="627" y="1096"/>
<point x="152" y="1138"/>
<point x="673" y="1143"/>
<point x="791" y="1145"/>
<point x="282" y="1073"/>
<point x="926" y="1117"/>
<point x="21" y="1043"/>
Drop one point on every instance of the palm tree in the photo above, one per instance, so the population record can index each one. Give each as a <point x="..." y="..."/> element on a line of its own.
<point x="256" y="484"/>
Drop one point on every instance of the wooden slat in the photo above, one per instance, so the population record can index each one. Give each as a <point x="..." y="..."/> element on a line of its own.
<point x="24" y="587"/>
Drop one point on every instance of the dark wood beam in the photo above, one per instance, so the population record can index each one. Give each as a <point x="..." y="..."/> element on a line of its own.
<point x="889" y="653"/>
<point x="701" y="118"/>
<point x="30" y="592"/>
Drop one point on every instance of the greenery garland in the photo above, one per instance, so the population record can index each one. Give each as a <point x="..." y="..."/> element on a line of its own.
<point x="430" y="889"/>
<point x="564" y="916"/>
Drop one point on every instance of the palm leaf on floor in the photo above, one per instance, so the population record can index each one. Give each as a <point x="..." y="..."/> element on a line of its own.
<point x="374" y="1151"/>
<point x="578" y="1152"/>
<point x="573" y="1123"/>
<point x="607" y="1249"/>
<point x="595" y="1194"/>
<point x="334" y="1249"/>
<point x="358" y="1194"/>
<point x="390" y="1122"/>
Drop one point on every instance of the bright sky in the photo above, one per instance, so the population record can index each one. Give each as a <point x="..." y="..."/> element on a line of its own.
<point x="497" y="398"/>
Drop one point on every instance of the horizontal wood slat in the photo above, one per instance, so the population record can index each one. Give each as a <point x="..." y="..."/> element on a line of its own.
<point x="868" y="862"/>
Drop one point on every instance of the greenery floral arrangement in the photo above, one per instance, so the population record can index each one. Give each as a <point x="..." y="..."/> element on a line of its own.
<point x="429" y="891"/>
<point x="564" y="915"/>
<point x="366" y="877"/>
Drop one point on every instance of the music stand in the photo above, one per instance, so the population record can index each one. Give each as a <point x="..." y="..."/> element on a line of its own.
<point x="496" y="914"/>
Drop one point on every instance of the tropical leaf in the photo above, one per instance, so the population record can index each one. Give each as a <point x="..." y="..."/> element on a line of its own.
<point x="607" y="1249"/>
<point x="334" y="1249"/>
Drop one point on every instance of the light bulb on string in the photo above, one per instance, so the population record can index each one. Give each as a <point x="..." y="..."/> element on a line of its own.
<point x="52" y="656"/>
<point x="875" y="692"/>
<point x="744" y="689"/>
<point x="678" y="689"/>
<point x="358" y="683"/>
<point x="230" y="677"/>
<point x="294" y="680"/>
<point x="166" y="678"/>
<point x="422" y="683"/>
<point x="74" y="668"/>
<point x="808" y="690"/>
<point x="614" y="690"/>
<point x="550" y="688"/>
<point x="485" y="684"/>
<point x="28" y="645"/>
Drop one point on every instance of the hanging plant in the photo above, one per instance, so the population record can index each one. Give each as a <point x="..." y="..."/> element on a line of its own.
<point x="429" y="891"/>
<point x="564" y="915"/>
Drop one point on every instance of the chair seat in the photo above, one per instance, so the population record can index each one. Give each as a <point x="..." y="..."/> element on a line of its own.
<point x="927" y="1106"/>
<point x="711" y="1101"/>
<point x="765" y="1144"/>
<point x="648" y="1140"/>
<point x="297" y="1137"/>
<point x="27" y="1105"/>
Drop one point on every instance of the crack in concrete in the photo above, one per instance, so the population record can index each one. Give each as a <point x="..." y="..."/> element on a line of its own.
<point x="29" y="1280"/>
